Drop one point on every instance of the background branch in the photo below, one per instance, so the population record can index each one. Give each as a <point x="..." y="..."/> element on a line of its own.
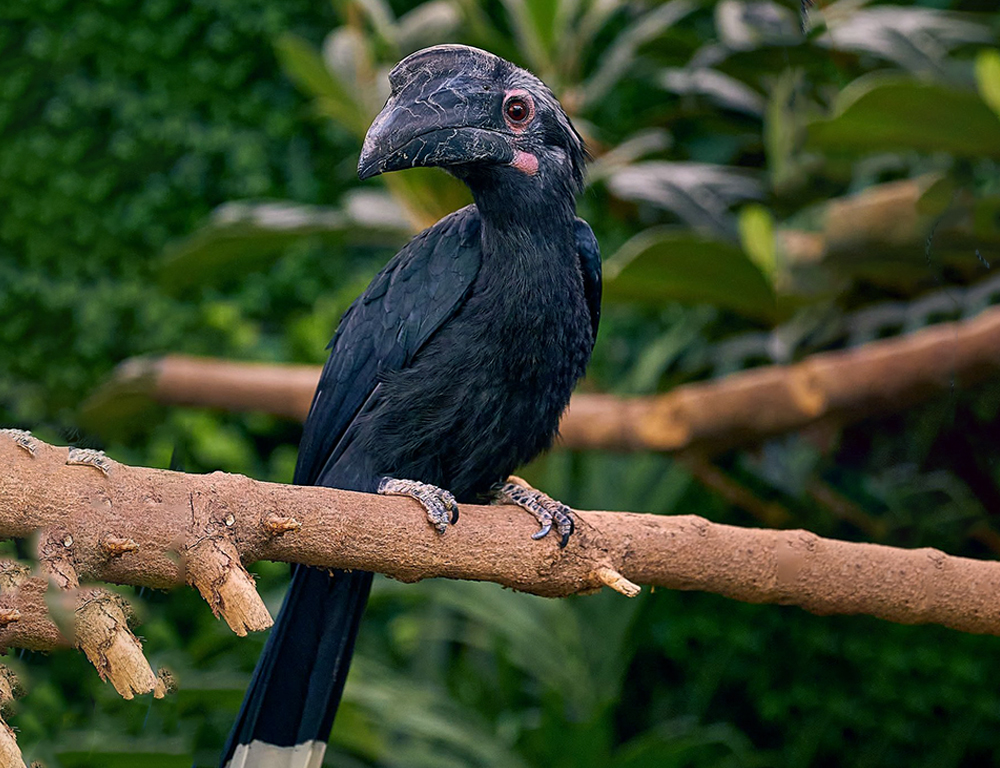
<point x="706" y="417"/>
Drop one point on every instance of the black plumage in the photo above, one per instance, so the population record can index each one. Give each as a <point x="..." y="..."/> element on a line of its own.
<point x="455" y="364"/>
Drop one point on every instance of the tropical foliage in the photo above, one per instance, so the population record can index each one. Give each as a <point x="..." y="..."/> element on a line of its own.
<point x="179" y="176"/>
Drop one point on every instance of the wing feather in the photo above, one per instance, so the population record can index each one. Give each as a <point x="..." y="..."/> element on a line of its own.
<point x="590" y="266"/>
<point x="419" y="290"/>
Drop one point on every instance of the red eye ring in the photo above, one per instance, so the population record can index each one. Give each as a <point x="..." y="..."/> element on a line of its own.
<point x="518" y="110"/>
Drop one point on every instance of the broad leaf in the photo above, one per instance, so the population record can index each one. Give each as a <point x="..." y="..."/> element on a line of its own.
<point x="429" y="23"/>
<point x="748" y="25"/>
<point x="917" y="39"/>
<point x="665" y="264"/>
<point x="426" y="194"/>
<point x="646" y="142"/>
<point x="699" y="193"/>
<point x="622" y="54"/>
<point x="988" y="78"/>
<point x="722" y="89"/>
<point x="306" y="67"/>
<point x="757" y="236"/>
<point x="242" y="235"/>
<point x="889" y="113"/>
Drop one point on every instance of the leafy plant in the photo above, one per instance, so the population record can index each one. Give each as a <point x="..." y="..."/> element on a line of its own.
<point x="759" y="195"/>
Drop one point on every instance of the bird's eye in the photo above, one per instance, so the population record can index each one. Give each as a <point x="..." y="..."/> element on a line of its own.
<point x="518" y="110"/>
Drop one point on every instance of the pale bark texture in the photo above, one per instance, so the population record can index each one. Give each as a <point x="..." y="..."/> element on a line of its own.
<point x="97" y="520"/>
<point x="177" y="520"/>
<point x="10" y="754"/>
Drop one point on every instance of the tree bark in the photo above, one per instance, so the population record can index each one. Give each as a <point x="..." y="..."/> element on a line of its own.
<point x="10" y="755"/>
<point x="200" y="529"/>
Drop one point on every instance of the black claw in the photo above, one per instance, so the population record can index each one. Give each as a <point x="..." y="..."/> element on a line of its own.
<point x="454" y="514"/>
<point x="565" y="539"/>
<point x="542" y="532"/>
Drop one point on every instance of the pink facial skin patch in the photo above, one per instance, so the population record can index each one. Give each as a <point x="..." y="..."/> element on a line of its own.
<point x="525" y="162"/>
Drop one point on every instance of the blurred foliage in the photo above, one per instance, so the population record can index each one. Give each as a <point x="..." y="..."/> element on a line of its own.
<point x="179" y="176"/>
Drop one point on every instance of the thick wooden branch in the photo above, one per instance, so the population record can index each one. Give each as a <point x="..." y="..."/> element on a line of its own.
<point x="94" y="620"/>
<point x="168" y="515"/>
<point x="10" y="755"/>
<point x="705" y="417"/>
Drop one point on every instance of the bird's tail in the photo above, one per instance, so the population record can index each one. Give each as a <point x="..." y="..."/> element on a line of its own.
<point x="289" y="707"/>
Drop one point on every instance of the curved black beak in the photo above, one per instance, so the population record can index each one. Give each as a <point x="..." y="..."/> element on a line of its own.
<point x="435" y="116"/>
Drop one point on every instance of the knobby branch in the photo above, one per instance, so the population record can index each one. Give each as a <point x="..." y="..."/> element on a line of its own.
<point x="96" y="520"/>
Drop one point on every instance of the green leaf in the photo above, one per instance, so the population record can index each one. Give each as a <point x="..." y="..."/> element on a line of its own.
<point x="684" y="329"/>
<point x="425" y="725"/>
<point x="83" y="750"/>
<point x="757" y="237"/>
<point x="525" y="22"/>
<point x="543" y="14"/>
<point x="681" y="742"/>
<point x="916" y="39"/>
<point x="664" y="264"/>
<point x="127" y="759"/>
<point x="623" y="53"/>
<point x="242" y="236"/>
<point x="888" y="113"/>
<point x="937" y="196"/>
<point x="308" y="71"/>
<point x="988" y="77"/>
<point x="785" y="117"/>
<point x="427" y="194"/>
<point x="986" y="221"/>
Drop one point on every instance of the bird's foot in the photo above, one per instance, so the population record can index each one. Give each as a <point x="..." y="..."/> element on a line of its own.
<point x="442" y="509"/>
<point x="546" y="510"/>
<point x="21" y="438"/>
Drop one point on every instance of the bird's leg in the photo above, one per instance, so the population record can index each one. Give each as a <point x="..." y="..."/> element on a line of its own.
<point x="441" y="506"/>
<point x="545" y="509"/>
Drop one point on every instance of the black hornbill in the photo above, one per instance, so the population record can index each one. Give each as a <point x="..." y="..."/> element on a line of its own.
<point x="450" y="370"/>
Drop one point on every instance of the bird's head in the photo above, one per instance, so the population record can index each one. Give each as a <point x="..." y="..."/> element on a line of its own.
<point x="478" y="116"/>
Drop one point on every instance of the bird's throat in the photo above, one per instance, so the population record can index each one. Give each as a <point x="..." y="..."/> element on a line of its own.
<point x="530" y="241"/>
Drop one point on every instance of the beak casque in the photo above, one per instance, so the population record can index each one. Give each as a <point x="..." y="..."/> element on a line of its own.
<point x="444" y="110"/>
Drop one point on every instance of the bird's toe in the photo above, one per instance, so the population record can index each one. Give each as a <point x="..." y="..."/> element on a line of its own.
<point x="564" y="524"/>
<point x="440" y="505"/>
<point x="546" y="510"/>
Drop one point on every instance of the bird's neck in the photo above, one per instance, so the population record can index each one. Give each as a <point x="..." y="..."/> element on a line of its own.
<point x="525" y="224"/>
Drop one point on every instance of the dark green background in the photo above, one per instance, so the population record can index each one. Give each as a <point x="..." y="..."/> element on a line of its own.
<point x="123" y="124"/>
